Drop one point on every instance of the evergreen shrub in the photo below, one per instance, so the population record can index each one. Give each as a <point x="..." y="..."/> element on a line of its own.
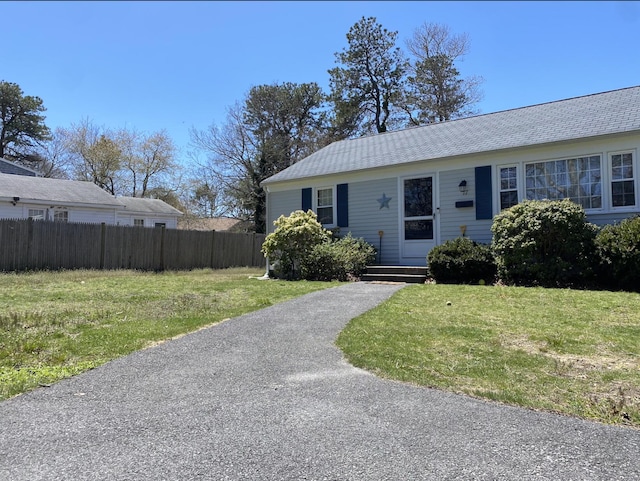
<point x="618" y="247"/>
<point x="300" y="248"/>
<point x="342" y="259"/>
<point x="545" y="243"/>
<point x="462" y="261"/>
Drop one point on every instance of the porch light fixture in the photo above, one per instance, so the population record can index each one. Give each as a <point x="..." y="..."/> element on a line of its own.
<point x="463" y="187"/>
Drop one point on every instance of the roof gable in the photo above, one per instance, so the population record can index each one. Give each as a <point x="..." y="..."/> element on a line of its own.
<point x="594" y="115"/>
<point x="8" y="167"/>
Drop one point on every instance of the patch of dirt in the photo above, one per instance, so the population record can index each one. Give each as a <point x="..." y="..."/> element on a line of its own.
<point x="569" y="361"/>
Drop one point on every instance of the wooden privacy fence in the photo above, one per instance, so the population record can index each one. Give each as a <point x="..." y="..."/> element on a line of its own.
<point x="37" y="245"/>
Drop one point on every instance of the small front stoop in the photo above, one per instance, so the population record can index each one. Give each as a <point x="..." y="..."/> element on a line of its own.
<point x="406" y="274"/>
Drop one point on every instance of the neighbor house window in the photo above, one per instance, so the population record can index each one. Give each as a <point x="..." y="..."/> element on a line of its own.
<point x="138" y="222"/>
<point x="623" y="192"/>
<point x="61" y="216"/>
<point x="324" y="208"/>
<point x="508" y="187"/>
<point x="578" y="179"/>
<point x="36" y="214"/>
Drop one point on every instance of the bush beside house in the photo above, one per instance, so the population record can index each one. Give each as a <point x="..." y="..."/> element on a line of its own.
<point x="544" y="243"/>
<point x="618" y="249"/>
<point x="300" y="248"/>
<point x="462" y="261"/>
<point x="535" y="243"/>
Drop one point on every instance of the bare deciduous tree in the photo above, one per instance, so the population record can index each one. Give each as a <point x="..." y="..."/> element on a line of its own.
<point x="436" y="92"/>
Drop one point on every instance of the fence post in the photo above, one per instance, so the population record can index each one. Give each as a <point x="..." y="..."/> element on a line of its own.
<point x="254" y="251"/>
<point x="162" y="248"/>
<point x="213" y="245"/>
<point x="28" y="262"/>
<point x="103" y="242"/>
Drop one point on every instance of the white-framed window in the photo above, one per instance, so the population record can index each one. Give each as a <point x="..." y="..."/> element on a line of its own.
<point x="325" y="202"/>
<point x="138" y="222"/>
<point x="508" y="186"/>
<point x="60" y="215"/>
<point x="36" y="214"/>
<point x="623" y="192"/>
<point x="578" y="179"/>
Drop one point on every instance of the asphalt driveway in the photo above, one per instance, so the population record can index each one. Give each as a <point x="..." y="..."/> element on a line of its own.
<point x="267" y="396"/>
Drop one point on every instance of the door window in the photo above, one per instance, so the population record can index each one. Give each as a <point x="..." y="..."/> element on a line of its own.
<point x="418" y="208"/>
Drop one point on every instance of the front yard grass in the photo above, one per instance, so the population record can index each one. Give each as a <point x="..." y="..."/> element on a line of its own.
<point x="57" y="324"/>
<point x="565" y="351"/>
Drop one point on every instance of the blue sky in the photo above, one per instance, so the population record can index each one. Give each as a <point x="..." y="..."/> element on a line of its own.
<point x="175" y="65"/>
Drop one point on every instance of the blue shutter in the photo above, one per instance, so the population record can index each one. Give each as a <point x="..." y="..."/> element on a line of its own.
<point x="307" y="202"/>
<point x="342" y="193"/>
<point x="484" y="195"/>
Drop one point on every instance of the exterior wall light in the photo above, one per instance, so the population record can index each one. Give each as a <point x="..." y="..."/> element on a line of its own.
<point x="463" y="187"/>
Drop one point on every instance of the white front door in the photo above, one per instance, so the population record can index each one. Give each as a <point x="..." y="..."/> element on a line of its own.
<point x="418" y="223"/>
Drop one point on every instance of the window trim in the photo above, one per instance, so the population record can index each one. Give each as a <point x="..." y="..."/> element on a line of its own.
<point x="602" y="182"/>
<point x="500" y="190"/>
<point x="41" y="216"/>
<point x="334" y="204"/>
<point x="606" y="179"/>
<point x="610" y="181"/>
<point x="138" y="222"/>
<point x="60" y="212"/>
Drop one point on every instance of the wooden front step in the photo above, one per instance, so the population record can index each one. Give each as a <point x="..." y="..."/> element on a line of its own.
<point x="405" y="274"/>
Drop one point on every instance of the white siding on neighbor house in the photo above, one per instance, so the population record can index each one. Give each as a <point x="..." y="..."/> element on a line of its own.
<point x="366" y="218"/>
<point x="92" y="216"/>
<point x="150" y="220"/>
<point x="76" y="214"/>
<point x="8" y="211"/>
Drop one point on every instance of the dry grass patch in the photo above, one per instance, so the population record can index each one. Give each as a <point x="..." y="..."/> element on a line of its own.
<point x="573" y="352"/>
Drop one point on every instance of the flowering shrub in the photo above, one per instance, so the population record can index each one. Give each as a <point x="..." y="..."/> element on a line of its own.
<point x="294" y="238"/>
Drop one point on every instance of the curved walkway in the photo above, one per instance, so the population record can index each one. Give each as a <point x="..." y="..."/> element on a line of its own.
<point x="267" y="396"/>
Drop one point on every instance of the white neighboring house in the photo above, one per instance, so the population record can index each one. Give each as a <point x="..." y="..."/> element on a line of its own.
<point x="39" y="198"/>
<point x="147" y="213"/>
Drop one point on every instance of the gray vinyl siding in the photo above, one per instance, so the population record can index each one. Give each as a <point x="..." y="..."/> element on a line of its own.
<point x="282" y="203"/>
<point x="451" y="217"/>
<point x="609" y="218"/>
<point x="366" y="218"/>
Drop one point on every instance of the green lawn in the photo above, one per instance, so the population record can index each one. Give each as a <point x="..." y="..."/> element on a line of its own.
<point x="566" y="351"/>
<point x="572" y="352"/>
<point x="57" y="324"/>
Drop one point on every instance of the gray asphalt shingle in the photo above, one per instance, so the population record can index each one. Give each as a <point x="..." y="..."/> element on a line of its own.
<point x="54" y="190"/>
<point x="613" y="112"/>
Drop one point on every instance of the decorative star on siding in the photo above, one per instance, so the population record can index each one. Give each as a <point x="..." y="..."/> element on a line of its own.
<point x="384" y="201"/>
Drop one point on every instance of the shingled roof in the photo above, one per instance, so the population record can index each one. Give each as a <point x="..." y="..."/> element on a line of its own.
<point x="147" y="206"/>
<point x="76" y="192"/>
<point x="56" y="191"/>
<point x="613" y="112"/>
